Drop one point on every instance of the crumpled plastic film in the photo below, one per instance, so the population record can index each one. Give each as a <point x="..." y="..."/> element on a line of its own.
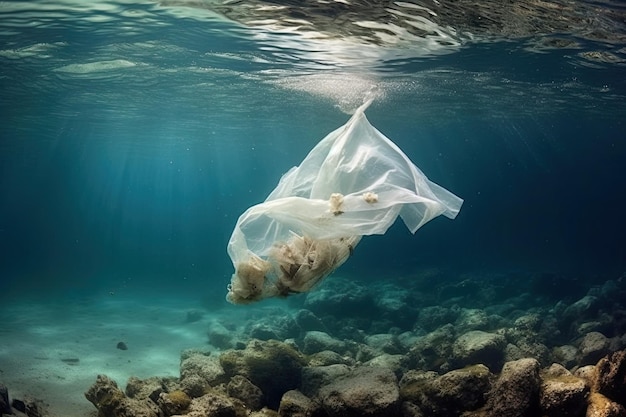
<point x="355" y="182"/>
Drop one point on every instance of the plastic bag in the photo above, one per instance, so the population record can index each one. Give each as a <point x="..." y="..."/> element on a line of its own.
<point x="354" y="183"/>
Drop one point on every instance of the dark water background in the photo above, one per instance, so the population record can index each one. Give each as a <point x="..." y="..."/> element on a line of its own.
<point x="131" y="176"/>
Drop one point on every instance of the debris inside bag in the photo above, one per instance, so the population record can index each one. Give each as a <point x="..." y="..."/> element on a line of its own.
<point x="355" y="182"/>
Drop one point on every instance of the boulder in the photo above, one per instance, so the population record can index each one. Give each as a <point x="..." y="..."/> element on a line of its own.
<point x="203" y="365"/>
<point x="432" y="317"/>
<point x="140" y="389"/>
<point x="110" y="401"/>
<point x="5" y="407"/>
<point x="296" y="404"/>
<point x="516" y="391"/>
<point x="476" y="347"/>
<point x="341" y="297"/>
<point x="173" y="403"/>
<point x="429" y="351"/>
<point x="385" y="343"/>
<point x="241" y="388"/>
<point x="328" y="357"/>
<point x="563" y="395"/>
<point x="566" y="355"/>
<point x="316" y="377"/>
<point x="449" y="394"/>
<point x="308" y="321"/>
<point x="610" y="377"/>
<point x="315" y="341"/>
<point x="274" y="366"/>
<point x="600" y="406"/>
<point x="215" y="404"/>
<point x="593" y="347"/>
<point x="365" y="391"/>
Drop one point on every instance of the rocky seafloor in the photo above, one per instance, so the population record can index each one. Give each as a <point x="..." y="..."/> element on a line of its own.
<point x="503" y="345"/>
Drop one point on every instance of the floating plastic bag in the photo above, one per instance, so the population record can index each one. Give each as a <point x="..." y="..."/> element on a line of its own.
<point x="354" y="183"/>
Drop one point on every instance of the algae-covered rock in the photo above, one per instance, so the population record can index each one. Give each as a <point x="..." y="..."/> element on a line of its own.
<point x="316" y="341"/>
<point x="516" y="391"/>
<point x="476" y="347"/>
<point x="216" y="404"/>
<point x="365" y="391"/>
<point x="175" y="402"/>
<point x="565" y="355"/>
<point x="203" y="365"/>
<point x="600" y="406"/>
<point x="432" y="317"/>
<point x="328" y="357"/>
<point x="296" y="404"/>
<point x="610" y="377"/>
<point x="593" y="347"/>
<point x="430" y="352"/>
<point x="273" y="366"/>
<point x="449" y="394"/>
<point x="563" y="395"/>
<point x="241" y="388"/>
<point x="110" y="401"/>
<point x="149" y="388"/>
<point x="316" y="377"/>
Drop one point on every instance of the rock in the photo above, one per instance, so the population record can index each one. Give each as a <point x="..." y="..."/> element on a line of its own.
<point x="274" y="366"/>
<point x="315" y="377"/>
<point x="584" y="307"/>
<point x="430" y="351"/>
<point x="215" y="404"/>
<point x="554" y="371"/>
<point x="262" y="331"/>
<point x="566" y="355"/>
<point x="173" y="403"/>
<point x="365" y="391"/>
<point x="203" y="365"/>
<point x="472" y="319"/>
<point x="600" y="406"/>
<point x="296" y="404"/>
<point x="587" y="373"/>
<point x="516" y="391"/>
<point x="30" y="406"/>
<point x="5" y="407"/>
<point x="592" y="348"/>
<point x="408" y="409"/>
<point x="563" y="395"/>
<point x="111" y="401"/>
<point x="393" y="362"/>
<point x="610" y="377"/>
<point x="308" y="321"/>
<point x="433" y="317"/>
<point x="220" y="337"/>
<point x="316" y="341"/>
<point x="476" y="347"/>
<point x="341" y="297"/>
<point x="194" y="385"/>
<point x="328" y="357"/>
<point x="244" y="390"/>
<point x="450" y="394"/>
<point x="384" y="343"/>
<point x="147" y="388"/>
<point x="393" y="302"/>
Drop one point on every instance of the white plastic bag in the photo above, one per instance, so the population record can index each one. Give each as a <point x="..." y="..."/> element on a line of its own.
<point x="355" y="182"/>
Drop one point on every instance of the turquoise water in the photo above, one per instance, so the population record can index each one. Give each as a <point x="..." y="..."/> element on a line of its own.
<point x="133" y="135"/>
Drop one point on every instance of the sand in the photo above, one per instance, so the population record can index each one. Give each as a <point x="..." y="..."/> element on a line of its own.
<point x="53" y="350"/>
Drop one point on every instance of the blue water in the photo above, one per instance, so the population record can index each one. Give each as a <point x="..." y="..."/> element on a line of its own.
<point x="134" y="135"/>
